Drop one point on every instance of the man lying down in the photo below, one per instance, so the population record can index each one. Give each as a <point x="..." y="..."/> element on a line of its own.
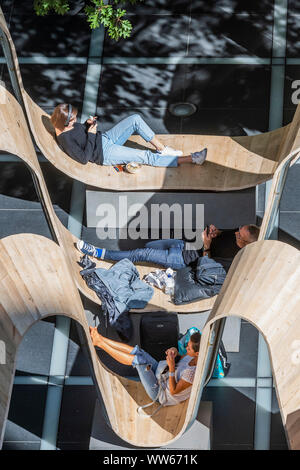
<point x="221" y="245"/>
<point x="200" y="273"/>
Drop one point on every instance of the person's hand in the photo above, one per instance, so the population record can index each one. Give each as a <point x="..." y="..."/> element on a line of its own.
<point x="174" y="350"/>
<point x="171" y="360"/>
<point x="207" y="238"/>
<point x="93" y="128"/>
<point x="213" y="231"/>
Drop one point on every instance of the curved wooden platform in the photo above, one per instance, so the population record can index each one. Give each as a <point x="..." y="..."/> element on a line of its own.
<point x="15" y="139"/>
<point x="229" y="165"/>
<point x="262" y="287"/>
<point x="23" y="302"/>
<point x="233" y="162"/>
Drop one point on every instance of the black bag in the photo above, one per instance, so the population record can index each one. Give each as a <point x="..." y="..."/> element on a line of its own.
<point x="158" y="332"/>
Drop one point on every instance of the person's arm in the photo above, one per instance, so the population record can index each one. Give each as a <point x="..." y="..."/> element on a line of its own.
<point x="175" y="387"/>
<point x="213" y="232"/>
<point x="207" y="239"/>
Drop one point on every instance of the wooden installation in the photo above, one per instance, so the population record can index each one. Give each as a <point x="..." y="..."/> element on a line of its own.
<point x="15" y="138"/>
<point x="23" y="302"/>
<point x="233" y="162"/>
<point x="262" y="287"/>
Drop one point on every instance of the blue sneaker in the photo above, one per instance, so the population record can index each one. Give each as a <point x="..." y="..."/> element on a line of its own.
<point x="88" y="249"/>
<point x="199" y="157"/>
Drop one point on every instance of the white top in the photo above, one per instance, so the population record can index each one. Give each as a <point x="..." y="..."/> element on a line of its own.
<point x="183" y="371"/>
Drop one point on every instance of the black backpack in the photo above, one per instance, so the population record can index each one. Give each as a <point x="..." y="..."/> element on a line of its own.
<point x="158" y="332"/>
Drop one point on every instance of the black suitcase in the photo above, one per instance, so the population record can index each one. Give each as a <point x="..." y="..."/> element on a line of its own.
<point x="158" y="332"/>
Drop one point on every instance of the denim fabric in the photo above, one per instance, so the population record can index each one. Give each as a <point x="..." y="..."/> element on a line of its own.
<point x="115" y="153"/>
<point x="141" y="361"/>
<point x="166" y="253"/>
<point x="122" y="280"/>
<point x="165" y="244"/>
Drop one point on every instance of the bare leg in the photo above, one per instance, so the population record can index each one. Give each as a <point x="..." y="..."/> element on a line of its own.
<point x="114" y="344"/>
<point x="118" y="351"/>
<point x="185" y="159"/>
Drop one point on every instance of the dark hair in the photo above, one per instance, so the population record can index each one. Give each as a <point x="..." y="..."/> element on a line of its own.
<point x="60" y="115"/>
<point x="195" y="340"/>
<point x="253" y="231"/>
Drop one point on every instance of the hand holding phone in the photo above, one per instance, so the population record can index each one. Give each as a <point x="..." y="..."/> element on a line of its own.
<point x="92" y="120"/>
<point x="93" y="127"/>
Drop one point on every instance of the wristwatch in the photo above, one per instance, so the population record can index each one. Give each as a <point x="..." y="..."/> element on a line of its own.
<point x="171" y="374"/>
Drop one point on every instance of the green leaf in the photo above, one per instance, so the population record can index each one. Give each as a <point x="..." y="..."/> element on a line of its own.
<point x="97" y="12"/>
<point x="43" y="7"/>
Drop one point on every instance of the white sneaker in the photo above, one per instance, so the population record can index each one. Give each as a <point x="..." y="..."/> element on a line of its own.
<point x="171" y="152"/>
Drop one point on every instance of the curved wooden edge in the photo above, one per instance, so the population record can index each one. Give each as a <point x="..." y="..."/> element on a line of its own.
<point x="262" y="287"/>
<point x="23" y="299"/>
<point x="273" y="194"/>
<point x="15" y="137"/>
<point x="23" y="302"/>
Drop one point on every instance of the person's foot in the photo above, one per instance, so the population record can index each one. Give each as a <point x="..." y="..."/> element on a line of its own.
<point x="171" y="152"/>
<point x="199" y="157"/>
<point x="88" y="249"/>
<point x="96" y="337"/>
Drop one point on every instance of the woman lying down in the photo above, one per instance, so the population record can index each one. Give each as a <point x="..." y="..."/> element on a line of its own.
<point x="85" y="143"/>
<point x="181" y="373"/>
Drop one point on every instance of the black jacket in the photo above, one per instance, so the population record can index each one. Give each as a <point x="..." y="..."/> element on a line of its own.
<point x="200" y="283"/>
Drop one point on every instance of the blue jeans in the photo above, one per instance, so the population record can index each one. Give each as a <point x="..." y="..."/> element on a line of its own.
<point x="114" y="152"/>
<point x="166" y="253"/>
<point x="146" y="367"/>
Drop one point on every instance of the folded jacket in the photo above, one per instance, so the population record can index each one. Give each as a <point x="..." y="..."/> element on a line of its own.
<point x="119" y="289"/>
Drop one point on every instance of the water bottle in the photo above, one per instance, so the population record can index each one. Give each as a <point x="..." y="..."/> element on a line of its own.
<point x="169" y="282"/>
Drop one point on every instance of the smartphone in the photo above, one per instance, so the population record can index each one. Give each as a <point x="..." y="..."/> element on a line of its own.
<point x="207" y="230"/>
<point x="94" y="119"/>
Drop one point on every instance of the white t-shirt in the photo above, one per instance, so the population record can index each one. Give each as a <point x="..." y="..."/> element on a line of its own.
<point x="183" y="371"/>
